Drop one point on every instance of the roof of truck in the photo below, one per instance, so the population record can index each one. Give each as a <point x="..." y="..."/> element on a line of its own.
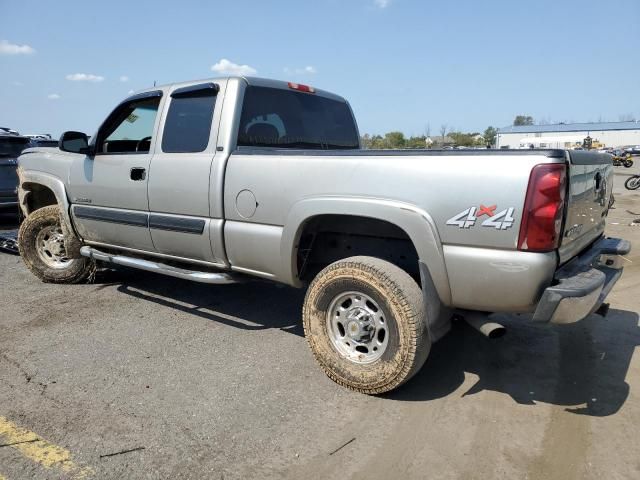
<point x="254" y="81"/>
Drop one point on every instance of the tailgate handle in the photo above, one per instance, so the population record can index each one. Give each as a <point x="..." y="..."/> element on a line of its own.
<point x="598" y="179"/>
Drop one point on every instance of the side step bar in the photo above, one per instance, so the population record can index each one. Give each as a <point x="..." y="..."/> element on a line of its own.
<point x="150" y="266"/>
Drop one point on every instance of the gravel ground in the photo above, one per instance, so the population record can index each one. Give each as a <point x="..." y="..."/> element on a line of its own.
<point x="218" y="382"/>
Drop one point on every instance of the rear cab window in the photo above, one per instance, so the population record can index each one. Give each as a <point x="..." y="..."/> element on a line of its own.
<point x="278" y="118"/>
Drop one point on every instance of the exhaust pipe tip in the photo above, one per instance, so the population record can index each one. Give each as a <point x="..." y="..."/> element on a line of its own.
<point x="480" y="321"/>
<point x="493" y="330"/>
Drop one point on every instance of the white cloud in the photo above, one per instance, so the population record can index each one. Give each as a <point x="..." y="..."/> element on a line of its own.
<point x="382" y="3"/>
<point x="84" y="77"/>
<point x="130" y="92"/>
<point x="309" y="70"/>
<point x="7" y="48"/>
<point x="53" y="96"/>
<point x="124" y="78"/>
<point x="227" y="67"/>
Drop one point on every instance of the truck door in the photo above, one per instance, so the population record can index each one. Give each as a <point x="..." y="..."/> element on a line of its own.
<point x="108" y="190"/>
<point x="181" y="174"/>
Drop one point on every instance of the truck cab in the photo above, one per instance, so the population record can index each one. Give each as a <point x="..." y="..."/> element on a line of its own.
<point x="158" y="160"/>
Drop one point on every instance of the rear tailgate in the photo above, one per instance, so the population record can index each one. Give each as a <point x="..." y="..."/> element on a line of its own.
<point x="590" y="186"/>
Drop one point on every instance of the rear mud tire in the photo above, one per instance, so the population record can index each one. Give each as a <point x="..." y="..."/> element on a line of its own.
<point x="400" y="300"/>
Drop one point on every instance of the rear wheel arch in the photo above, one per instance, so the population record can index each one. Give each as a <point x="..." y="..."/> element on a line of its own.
<point x="412" y="223"/>
<point x="324" y="239"/>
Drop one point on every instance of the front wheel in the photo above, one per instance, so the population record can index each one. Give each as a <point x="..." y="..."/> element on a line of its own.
<point x="365" y="322"/>
<point x="44" y="251"/>
<point x="632" y="183"/>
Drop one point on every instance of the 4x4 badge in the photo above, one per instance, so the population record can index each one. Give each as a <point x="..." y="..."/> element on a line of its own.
<point x="468" y="218"/>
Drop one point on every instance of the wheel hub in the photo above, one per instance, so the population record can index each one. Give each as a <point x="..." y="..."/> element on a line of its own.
<point x="360" y="326"/>
<point x="51" y="248"/>
<point x="357" y="327"/>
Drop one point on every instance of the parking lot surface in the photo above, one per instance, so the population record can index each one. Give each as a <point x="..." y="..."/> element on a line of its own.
<point x="143" y="376"/>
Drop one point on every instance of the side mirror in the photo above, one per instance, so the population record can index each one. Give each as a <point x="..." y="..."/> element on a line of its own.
<point x="74" y="142"/>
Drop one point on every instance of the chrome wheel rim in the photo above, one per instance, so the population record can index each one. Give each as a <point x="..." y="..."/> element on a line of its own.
<point x="51" y="249"/>
<point x="357" y="327"/>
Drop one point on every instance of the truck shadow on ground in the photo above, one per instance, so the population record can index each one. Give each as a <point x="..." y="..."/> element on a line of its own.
<point x="581" y="366"/>
<point x="254" y="305"/>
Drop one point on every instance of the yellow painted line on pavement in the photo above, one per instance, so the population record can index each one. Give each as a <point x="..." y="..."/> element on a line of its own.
<point x="40" y="451"/>
<point x="2" y="477"/>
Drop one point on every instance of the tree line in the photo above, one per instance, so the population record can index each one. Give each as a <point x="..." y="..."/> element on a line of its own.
<point x="449" y="136"/>
<point x="445" y="138"/>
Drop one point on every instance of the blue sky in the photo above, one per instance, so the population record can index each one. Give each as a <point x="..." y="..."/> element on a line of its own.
<point x="403" y="64"/>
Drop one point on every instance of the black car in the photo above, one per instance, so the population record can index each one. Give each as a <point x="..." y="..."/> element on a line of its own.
<point x="10" y="148"/>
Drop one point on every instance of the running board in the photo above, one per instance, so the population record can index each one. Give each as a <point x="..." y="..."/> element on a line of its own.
<point x="149" y="266"/>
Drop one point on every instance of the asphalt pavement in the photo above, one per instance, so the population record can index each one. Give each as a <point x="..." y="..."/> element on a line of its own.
<point x="143" y="376"/>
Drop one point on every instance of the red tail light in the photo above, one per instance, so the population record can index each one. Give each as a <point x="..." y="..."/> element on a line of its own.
<point x="543" y="208"/>
<point x="301" y="88"/>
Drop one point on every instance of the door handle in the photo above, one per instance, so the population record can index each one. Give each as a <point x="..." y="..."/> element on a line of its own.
<point x="138" y="174"/>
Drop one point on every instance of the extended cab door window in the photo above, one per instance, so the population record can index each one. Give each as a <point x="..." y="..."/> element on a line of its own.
<point x="188" y="123"/>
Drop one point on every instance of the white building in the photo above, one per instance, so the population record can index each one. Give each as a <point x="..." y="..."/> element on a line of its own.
<point x="568" y="135"/>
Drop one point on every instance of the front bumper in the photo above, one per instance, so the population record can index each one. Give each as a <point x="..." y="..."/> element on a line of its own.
<point x="582" y="284"/>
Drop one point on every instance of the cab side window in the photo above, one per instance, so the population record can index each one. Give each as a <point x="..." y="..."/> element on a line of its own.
<point x="187" y="127"/>
<point x="129" y="129"/>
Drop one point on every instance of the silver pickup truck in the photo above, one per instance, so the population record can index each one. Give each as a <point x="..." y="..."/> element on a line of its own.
<point x="218" y="180"/>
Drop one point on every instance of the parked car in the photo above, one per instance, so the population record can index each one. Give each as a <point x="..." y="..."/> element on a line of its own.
<point x="10" y="148"/>
<point x="633" y="150"/>
<point x="218" y="180"/>
<point x="8" y="131"/>
<point x="42" y="142"/>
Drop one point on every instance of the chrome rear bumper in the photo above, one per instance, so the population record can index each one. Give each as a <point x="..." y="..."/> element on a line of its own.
<point x="583" y="284"/>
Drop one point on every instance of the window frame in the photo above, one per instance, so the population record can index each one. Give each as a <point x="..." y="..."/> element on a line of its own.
<point x="99" y="137"/>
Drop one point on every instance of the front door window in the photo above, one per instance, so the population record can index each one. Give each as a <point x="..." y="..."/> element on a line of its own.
<point x="130" y="128"/>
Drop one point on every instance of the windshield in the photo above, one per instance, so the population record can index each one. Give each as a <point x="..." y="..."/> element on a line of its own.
<point x="12" y="146"/>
